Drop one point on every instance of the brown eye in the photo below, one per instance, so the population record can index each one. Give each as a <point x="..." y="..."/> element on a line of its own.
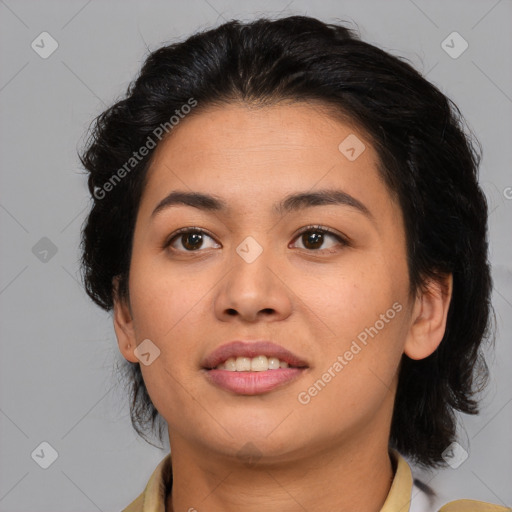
<point x="189" y="239"/>
<point x="192" y="241"/>
<point x="313" y="238"/>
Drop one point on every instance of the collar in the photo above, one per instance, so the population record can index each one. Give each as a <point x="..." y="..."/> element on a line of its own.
<point x="399" y="496"/>
<point x="154" y="495"/>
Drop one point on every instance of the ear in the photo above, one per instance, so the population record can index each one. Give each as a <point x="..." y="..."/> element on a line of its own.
<point x="429" y="316"/>
<point x="123" y="324"/>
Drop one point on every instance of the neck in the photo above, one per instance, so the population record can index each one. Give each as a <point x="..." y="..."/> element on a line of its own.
<point x="344" y="479"/>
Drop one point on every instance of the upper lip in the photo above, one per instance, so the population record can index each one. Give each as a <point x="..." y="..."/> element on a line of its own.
<point x="251" y="349"/>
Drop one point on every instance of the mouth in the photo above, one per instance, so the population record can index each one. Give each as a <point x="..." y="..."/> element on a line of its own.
<point x="252" y="368"/>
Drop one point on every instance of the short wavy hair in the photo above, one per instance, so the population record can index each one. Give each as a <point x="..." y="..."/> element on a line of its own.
<point x="429" y="160"/>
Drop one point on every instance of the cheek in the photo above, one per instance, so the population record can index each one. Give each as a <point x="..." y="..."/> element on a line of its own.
<point x="365" y="310"/>
<point x="354" y="296"/>
<point x="167" y="309"/>
<point x="357" y="373"/>
<point x="163" y="302"/>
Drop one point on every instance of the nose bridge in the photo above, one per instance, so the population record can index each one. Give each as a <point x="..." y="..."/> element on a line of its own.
<point x="249" y="250"/>
<point x="251" y="263"/>
<point x="252" y="285"/>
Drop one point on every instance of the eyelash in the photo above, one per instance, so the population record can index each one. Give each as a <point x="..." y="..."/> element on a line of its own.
<point x="313" y="228"/>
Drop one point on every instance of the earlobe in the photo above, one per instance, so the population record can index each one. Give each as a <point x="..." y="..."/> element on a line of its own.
<point x="429" y="317"/>
<point x="123" y="324"/>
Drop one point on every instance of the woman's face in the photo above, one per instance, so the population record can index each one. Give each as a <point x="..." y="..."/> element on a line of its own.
<point x="339" y="301"/>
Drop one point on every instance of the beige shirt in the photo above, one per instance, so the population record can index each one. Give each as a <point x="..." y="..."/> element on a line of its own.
<point x="153" y="498"/>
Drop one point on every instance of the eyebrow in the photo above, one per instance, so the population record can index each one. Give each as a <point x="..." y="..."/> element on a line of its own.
<point x="291" y="203"/>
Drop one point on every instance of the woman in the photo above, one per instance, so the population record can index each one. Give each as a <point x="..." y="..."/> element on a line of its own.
<point x="288" y="228"/>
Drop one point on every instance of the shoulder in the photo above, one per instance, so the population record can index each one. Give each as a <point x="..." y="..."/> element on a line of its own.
<point x="472" y="506"/>
<point x="425" y="499"/>
<point x="135" y="506"/>
<point x="154" y="495"/>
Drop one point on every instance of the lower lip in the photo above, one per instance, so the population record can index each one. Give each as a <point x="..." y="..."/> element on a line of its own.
<point x="252" y="383"/>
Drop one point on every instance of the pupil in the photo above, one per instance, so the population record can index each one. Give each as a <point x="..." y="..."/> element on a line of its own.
<point x="314" y="239"/>
<point x="190" y="236"/>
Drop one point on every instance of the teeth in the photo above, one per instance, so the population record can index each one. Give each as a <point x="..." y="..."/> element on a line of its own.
<point x="243" y="364"/>
<point x="230" y="365"/>
<point x="273" y="363"/>
<point x="255" y="364"/>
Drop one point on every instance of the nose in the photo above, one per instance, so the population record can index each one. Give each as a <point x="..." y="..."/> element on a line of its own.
<point x="253" y="291"/>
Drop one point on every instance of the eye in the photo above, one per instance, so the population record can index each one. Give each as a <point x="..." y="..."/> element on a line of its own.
<point x="192" y="239"/>
<point x="313" y="237"/>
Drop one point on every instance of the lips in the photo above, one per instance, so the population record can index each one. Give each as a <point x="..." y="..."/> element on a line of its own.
<point x="251" y="349"/>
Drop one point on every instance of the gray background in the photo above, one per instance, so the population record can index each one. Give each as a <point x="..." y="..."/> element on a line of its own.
<point x="57" y="380"/>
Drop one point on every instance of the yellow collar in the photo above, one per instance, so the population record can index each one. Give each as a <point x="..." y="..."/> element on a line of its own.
<point x="399" y="496"/>
<point x="154" y="495"/>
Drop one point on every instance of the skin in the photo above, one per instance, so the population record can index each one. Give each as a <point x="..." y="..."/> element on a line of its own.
<point x="332" y="453"/>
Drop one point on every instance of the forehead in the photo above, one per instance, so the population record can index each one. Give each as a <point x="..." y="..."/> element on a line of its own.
<point x="238" y="128"/>
<point x="249" y="155"/>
